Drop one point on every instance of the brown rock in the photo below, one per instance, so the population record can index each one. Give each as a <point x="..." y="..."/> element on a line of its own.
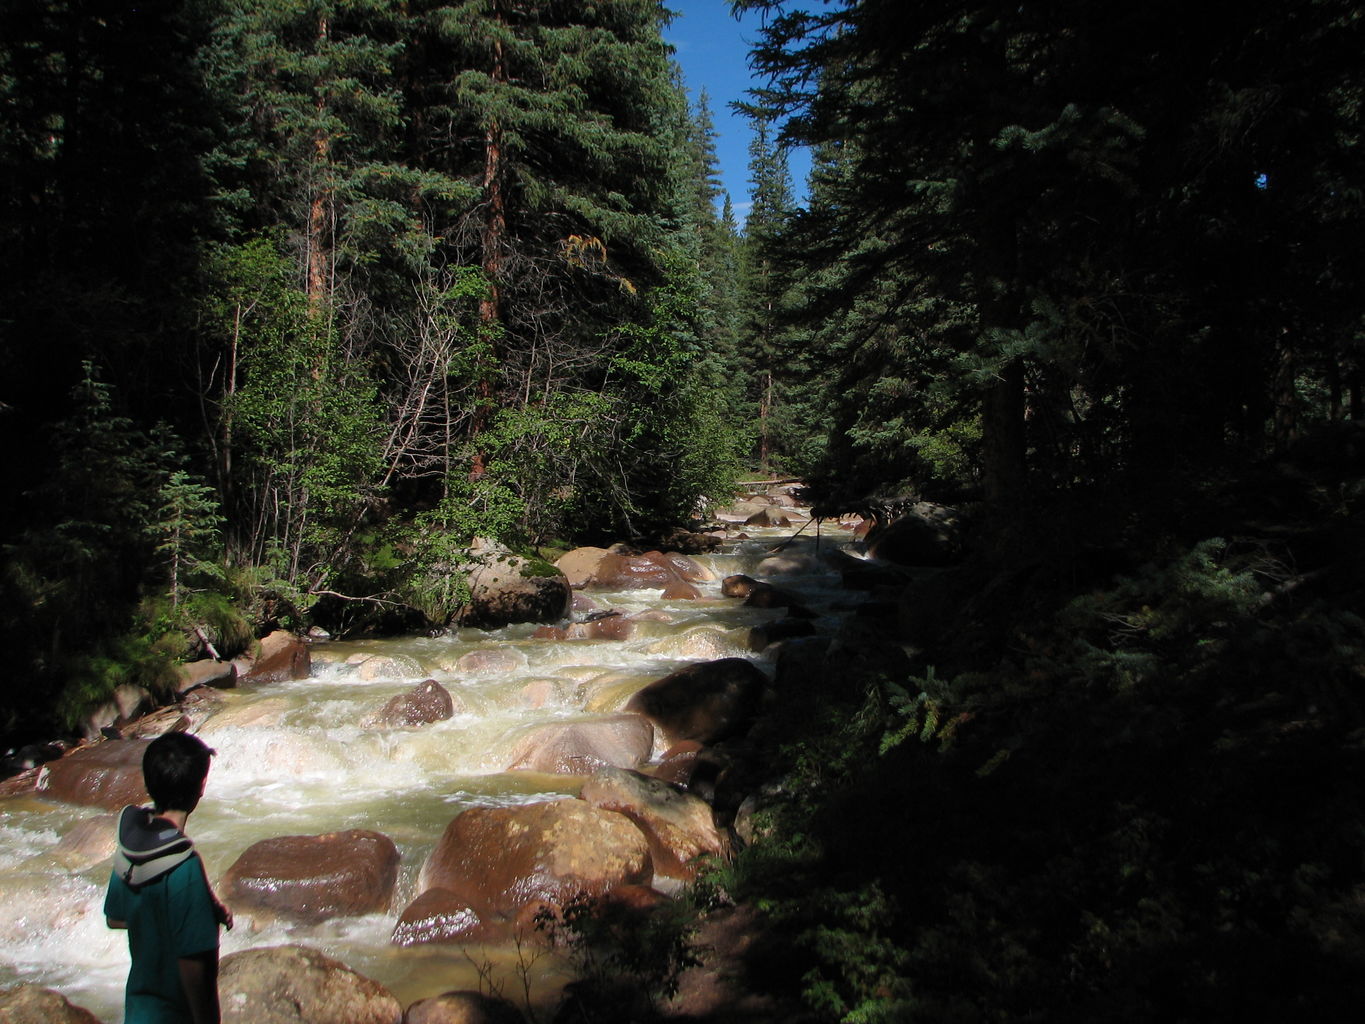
<point x="680" y="590"/>
<point x="681" y="565"/>
<point x="581" y="748"/>
<point x="88" y="843"/>
<point x="220" y="674"/>
<point x="31" y="1004"/>
<point x="579" y="566"/>
<point x="299" y="985"/>
<point x="463" y="1008"/>
<point x="107" y="775"/>
<point x="632" y="572"/>
<point x="768" y="517"/>
<point x="604" y="627"/>
<point x="438" y="915"/>
<point x="314" y="878"/>
<point x="706" y="702"/>
<point x="425" y="703"/>
<point x="491" y="660"/>
<point x="502" y="859"/>
<point x="282" y="657"/>
<point x="738" y="585"/>
<point x="678" y="825"/>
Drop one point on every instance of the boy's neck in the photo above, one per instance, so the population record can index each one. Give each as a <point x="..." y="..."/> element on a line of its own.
<point x="176" y="818"/>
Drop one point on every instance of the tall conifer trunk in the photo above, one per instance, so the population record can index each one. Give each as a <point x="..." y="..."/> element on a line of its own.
<point x="491" y="246"/>
<point x="320" y="203"/>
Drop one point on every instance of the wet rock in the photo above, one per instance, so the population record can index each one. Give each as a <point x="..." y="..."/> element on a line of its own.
<point x="687" y="569"/>
<point x="701" y="644"/>
<point x="632" y="572"/>
<point x="493" y="660"/>
<point x="705" y="702"/>
<point x="281" y="658"/>
<point x="32" y="1004"/>
<point x="677" y="763"/>
<point x="768" y="517"/>
<point x="87" y="843"/>
<point x="314" y="878"/>
<point x="581" y="748"/>
<point x="107" y="775"/>
<point x="738" y="585"/>
<point x="299" y="985"/>
<point x="438" y="915"/>
<point x="505" y="588"/>
<point x="220" y="674"/>
<point x="680" y="590"/>
<point x="463" y="1008"/>
<point x="500" y="860"/>
<point x="677" y="824"/>
<point x="370" y="667"/>
<point x="425" y="703"/>
<point x="579" y="566"/>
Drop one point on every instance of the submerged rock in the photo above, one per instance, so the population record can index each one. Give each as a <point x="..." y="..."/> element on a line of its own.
<point x="32" y="1004"/>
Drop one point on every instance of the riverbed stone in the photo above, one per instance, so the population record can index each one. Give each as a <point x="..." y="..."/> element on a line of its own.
<point x="579" y="566"/>
<point x="505" y="588"/>
<point x="582" y="747"/>
<point x="683" y="566"/>
<point x="106" y="775"/>
<point x="87" y="843"/>
<point x="501" y="860"/>
<point x="680" y="590"/>
<point x="439" y="915"/>
<point x="206" y="672"/>
<point x="768" y="517"/>
<point x="33" y="1004"/>
<point x="314" y="878"/>
<point x="738" y="585"/>
<point x="706" y="702"/>
<point x="281" y="657"/>
<point x="463" y="1008"/>
<point x="491" y="661"/>
<point x="632" y="572"/>
<point x="677" y="824"/>
<point x="300" y="985"/>
<point x="926" y="535"/>
<point x="425" y="703"/>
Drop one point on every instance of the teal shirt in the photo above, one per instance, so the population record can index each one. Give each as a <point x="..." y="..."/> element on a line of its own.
<point x="168" y="918"/>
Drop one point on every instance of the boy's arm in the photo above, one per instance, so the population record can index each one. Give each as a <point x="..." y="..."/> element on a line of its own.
<point x="199" y="979"/>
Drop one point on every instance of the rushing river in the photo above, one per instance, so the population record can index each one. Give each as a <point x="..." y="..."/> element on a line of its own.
<point x="295" y="759"/>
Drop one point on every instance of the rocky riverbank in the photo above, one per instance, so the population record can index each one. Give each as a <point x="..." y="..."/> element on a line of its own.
<point x="671" y="773"/>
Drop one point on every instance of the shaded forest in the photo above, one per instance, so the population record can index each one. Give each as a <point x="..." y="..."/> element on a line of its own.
<point x="294" y="311"/>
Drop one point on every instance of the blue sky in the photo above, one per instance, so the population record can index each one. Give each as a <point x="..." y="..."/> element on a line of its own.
<point x="713" y="50"/>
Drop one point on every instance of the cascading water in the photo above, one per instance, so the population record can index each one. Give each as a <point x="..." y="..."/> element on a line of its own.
<point x="297" y="759"/>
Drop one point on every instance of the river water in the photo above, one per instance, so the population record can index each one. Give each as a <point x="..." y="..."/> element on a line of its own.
<point x="295" y="759"/>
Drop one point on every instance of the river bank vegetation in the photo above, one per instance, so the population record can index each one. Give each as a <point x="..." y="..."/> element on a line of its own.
<point x="297" y="310"/>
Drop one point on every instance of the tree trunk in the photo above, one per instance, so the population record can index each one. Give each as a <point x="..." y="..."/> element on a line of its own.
<point x="319" y="209"/>
<point x="494" y="235"/>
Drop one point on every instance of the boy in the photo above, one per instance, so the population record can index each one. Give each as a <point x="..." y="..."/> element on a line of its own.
<point x="158" y="891"/>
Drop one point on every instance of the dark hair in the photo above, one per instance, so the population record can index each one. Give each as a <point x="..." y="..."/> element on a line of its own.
<point x="174" y="767"/>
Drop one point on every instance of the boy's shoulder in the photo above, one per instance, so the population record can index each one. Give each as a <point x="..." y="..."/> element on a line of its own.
<point x="148" y="847"/>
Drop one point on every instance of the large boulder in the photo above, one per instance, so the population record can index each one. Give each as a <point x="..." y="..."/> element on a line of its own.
<point x="299" y="985"/>
<point x="707" y="702"/>
<point x="425" y="703"/>
<point x="206" y="672"/>
<point x="685" y="567"/>
<point x="30" y="1004"/>
<point x="463" y="1008"/>
<point x="502" y="860"/>
<point x="581" y="748"/>
<point x="282" y="657"/>
<point x="632" y="572"/>
<point x="678" y="825"/>
<point x="928" y="535"/>
<point x="505" y="588"/>
<point x="106" y="775"/>
<point x="768" y="517"/>
<point x="579" y="566"/>
<point x="314" y="878"/>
